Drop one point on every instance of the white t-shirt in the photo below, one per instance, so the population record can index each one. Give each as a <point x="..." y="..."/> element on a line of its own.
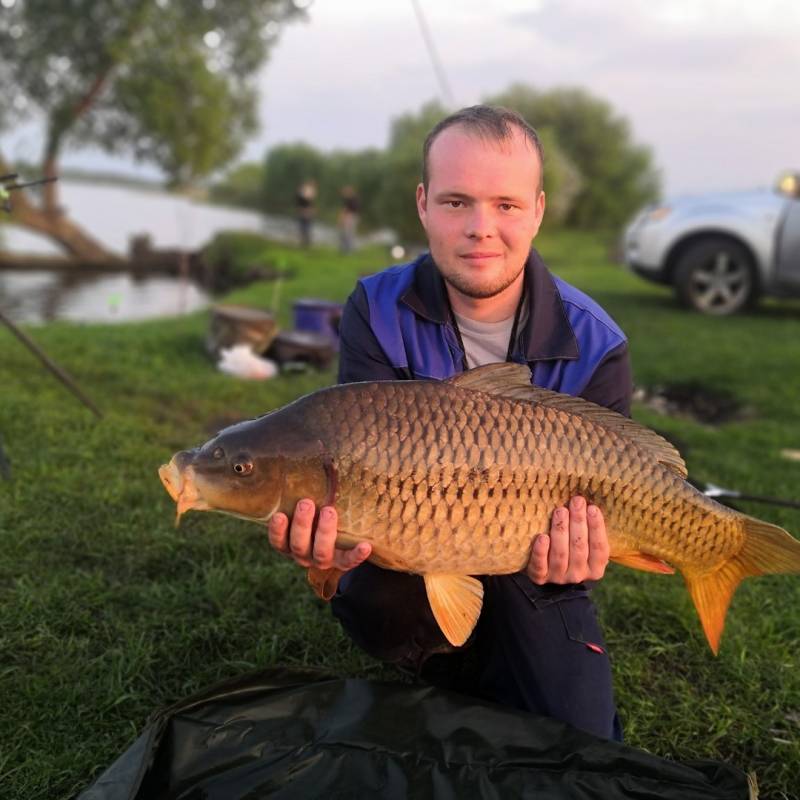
<point x="487" y="342"/>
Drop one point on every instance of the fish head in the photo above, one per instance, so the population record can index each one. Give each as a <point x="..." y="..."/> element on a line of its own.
<point x="235" y="473"/>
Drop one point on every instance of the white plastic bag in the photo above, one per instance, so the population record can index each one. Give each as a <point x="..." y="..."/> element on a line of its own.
<point x="242" y="362"/>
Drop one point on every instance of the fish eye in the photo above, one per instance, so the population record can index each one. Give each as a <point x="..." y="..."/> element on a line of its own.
<point x="243" y="467"/>
<point x="218" y="453"/>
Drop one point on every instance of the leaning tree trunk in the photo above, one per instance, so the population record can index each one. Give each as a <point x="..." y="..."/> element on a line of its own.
<point x="51" y="221"/>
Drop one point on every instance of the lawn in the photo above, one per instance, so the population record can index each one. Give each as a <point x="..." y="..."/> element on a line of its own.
<point x="109" y="612"/>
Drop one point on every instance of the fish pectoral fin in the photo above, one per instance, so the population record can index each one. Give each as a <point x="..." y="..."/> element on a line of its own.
<point x="324" y="582"/>
<point x="456" y="602"/>
<point x="643" y="561"/>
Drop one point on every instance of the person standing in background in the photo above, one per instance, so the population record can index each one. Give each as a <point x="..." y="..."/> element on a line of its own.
<point x="305" y="202"/>
<point x="348" y="219"/>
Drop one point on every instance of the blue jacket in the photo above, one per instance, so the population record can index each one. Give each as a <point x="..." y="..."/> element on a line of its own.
<point x="397" y="325"/>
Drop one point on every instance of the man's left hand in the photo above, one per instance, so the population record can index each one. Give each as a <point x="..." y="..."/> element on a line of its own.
<point x="576" y="548"/>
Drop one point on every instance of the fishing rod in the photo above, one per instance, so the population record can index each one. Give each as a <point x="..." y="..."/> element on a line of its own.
<point x="719" y="493"/>
<point x="5" y="464"/>
<point x="8" y="184"/>
<point x="51" y="365"/>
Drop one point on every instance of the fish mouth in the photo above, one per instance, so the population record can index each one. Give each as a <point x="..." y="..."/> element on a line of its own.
<point x="181" y="486"/>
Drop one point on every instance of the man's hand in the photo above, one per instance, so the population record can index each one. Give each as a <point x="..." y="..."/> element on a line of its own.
<point x="312" y="546"/>
<point x="575" y="550"/>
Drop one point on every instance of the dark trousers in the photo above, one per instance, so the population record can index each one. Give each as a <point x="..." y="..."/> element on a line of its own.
<point x="537" y="648"/>
<point x="305" y="225"/>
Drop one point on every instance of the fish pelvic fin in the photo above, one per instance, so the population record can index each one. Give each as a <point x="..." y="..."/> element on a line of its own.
<point x="324" y="582"/>
<point x="456" y="602"/>
<point x="767" y="550"/>
<point x="643" y="561"/>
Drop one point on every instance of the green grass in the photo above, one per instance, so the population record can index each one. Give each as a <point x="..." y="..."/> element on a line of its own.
<point x="109" y="612"/>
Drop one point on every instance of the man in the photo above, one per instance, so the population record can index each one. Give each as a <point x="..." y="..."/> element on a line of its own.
<point x="305" y="202"/>
<point x="348" y="218"/>
<point x="482" y="295"/>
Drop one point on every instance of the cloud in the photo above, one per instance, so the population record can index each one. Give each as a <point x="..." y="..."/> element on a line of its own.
<point x="705" y="84"/>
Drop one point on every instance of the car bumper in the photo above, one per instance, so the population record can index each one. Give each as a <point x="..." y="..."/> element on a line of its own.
<point x="644" y="250"/>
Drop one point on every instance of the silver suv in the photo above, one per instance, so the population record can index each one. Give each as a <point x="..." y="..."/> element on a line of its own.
<point x="721" y="251"/>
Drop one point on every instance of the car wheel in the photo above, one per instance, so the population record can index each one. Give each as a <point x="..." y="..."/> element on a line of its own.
<point x="716" y="276"/>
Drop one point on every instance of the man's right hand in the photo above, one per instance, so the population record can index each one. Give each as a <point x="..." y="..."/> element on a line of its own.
<point x="311" y="546"/>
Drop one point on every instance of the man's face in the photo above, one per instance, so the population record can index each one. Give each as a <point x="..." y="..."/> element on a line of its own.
<point x="482" y="209"/>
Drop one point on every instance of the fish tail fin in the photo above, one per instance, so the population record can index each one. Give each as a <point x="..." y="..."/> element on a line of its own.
<point x="767" y="549"/>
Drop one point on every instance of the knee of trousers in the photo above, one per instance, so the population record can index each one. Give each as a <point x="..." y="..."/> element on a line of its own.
<point x="387" y="614"/>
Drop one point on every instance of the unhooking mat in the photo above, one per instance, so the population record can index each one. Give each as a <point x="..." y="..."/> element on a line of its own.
<point x="290" y="735"/>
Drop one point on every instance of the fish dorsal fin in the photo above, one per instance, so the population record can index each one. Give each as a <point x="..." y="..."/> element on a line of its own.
<point x="513" y="381"/>
<point x="493" y="378"/>
<point x="456" y="602"/>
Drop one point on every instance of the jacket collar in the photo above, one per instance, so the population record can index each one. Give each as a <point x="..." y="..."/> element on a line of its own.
<point x="548" y="333"/>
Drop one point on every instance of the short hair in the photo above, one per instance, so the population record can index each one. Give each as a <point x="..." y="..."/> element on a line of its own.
<point x="495" y="123"/>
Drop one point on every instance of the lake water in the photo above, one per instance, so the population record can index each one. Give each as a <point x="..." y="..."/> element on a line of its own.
<point x="40" y="296"/>
<point x="114" y="214"/>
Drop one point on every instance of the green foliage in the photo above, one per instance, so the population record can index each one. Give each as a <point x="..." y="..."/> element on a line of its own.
<point x="617" y="176"/>
<point x="110" y="612"/>
<point x="210" y="129"/>
<point x="365" y="171"/>
<point x="562" y="179"/>
<point x="169" y="82"/>
<point x="321" y="272"/>
<point x="240" y="186"/>
<point x="285" y="168"/>
<point x="403" y="163"/>
<point x="288" y="165"/>
<point x="241" y="248"/>
<point x="595" y="177"/>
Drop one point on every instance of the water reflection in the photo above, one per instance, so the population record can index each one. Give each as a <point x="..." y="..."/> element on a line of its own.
<point x="42" y="296"/>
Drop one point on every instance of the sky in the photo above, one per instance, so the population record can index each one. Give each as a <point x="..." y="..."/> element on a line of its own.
<point x="711" y="86"/>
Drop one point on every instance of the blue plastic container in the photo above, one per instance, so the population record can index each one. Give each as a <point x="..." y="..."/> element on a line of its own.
<point x="318" y="316"/>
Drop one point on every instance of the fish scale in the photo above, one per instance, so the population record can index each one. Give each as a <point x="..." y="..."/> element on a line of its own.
<point x="455" y="478"/>
<point x="596" y="463"/>
<point x="477" y="465"/>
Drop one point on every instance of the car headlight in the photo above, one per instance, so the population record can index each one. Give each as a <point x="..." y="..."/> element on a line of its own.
<point x="658" y="213"/>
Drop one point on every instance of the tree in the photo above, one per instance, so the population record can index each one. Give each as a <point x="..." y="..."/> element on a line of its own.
<point x="365" y="171"/>
<point x="562" y="179"/>
<point x="617" y="176"/>
<point x="168" y="81"/>
<point x="240" y="186"/>
<point x="403" y="170"/>
<point x="285" y="168"/>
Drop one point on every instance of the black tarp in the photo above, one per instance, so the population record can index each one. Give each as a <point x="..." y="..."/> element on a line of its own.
<point x="282" y="734"/>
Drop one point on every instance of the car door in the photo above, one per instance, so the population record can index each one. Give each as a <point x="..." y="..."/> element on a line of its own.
<point x="787" y="266"/>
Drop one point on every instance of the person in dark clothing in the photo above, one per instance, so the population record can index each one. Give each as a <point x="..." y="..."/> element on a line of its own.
<point x="481" y="295"/>
<point x="305" y="203"/>
<point x="348" y="219"/>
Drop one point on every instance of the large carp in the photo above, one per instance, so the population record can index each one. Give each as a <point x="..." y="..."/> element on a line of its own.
<point x="451" y="479"/>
